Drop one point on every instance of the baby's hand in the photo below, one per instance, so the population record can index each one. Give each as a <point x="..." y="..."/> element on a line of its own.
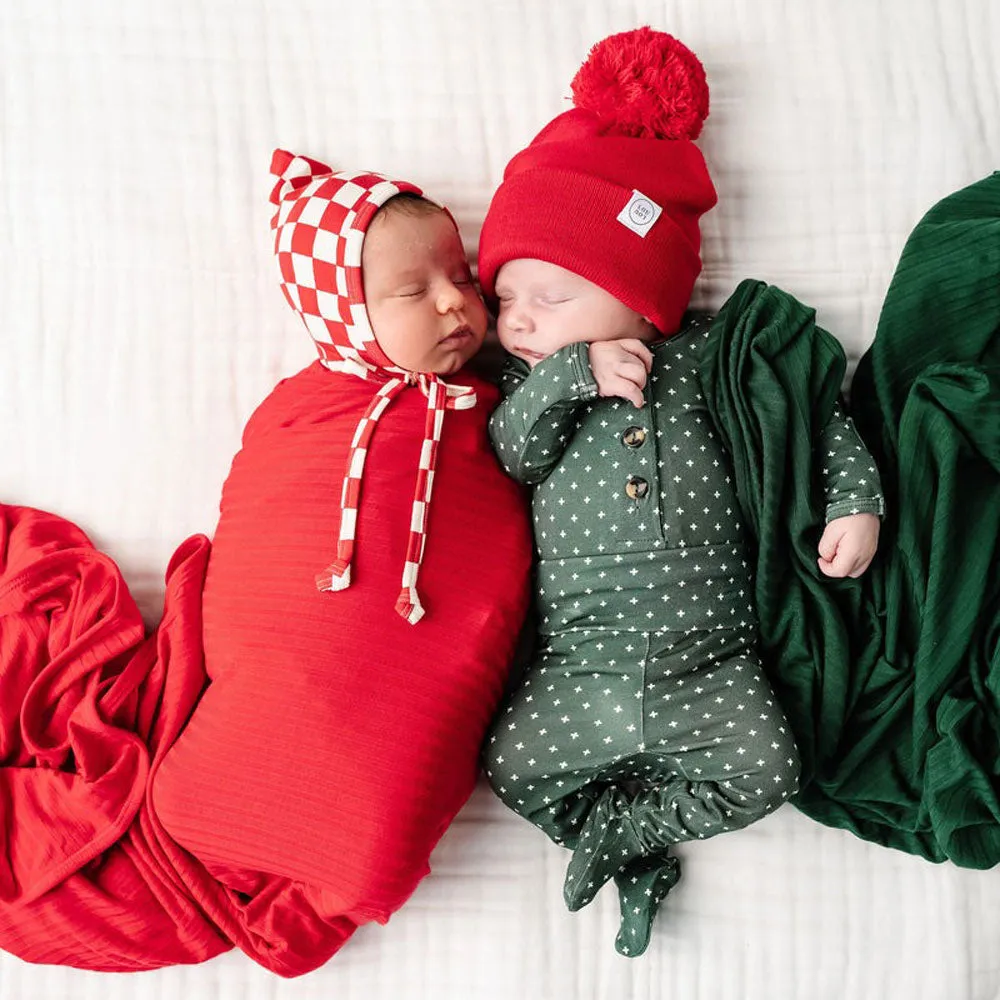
<point x="620" y="368"/>
<point x="848" y="545"/>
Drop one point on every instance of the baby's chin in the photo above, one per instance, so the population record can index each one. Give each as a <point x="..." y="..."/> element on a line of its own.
<point x="530" y="358"/>
<point x="455" y="361"/>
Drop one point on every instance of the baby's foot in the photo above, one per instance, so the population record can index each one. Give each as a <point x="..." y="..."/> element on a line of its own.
<point x="607" y="843"/>
<point x="641" y="888"/>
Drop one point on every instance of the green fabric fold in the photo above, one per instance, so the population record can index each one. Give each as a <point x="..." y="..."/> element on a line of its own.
<point x="891" y="682"/>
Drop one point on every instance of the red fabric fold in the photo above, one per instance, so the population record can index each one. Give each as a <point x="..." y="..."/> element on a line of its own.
<point x="86" y="707"/>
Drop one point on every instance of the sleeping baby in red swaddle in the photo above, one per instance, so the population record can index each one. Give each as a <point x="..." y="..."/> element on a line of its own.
<point x="369" y="574"/>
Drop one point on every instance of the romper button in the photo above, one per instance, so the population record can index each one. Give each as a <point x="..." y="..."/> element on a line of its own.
<point x="636" y="487"/>
<point x="633" y="437"/>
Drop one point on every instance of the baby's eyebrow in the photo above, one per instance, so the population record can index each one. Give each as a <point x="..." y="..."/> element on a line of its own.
<point x="402" y="277"/>
<point x="457" y="257"/>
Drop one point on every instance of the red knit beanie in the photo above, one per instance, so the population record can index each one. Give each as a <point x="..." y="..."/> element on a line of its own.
<point x="613" y="189"/>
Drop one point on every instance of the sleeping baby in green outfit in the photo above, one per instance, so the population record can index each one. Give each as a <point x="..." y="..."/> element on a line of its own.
<point x="645" y="719"/>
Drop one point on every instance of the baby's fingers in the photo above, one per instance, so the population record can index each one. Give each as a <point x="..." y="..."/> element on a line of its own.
<point x="832" y="567"/>
<point x="619" y="385"/>
<point x="639" y="350"/>
<point x="847" y="560"/>
<point x="632" y="370"/>
<point x="835" y="555"/>
<point x="829" y="542"/>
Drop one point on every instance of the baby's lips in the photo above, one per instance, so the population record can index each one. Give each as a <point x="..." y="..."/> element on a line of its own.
<point x="459" y="333"/>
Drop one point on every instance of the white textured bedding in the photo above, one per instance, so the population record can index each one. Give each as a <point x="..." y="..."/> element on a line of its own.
<point x="141" y="322"/>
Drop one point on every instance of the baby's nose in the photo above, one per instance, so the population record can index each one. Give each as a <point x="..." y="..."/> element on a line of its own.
<point x="515" y="317"/>
<point x="450" y="297"/>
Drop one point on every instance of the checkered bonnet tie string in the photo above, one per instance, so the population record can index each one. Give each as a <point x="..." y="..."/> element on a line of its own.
<point x="319" y="229"/>
<point x="440" y="397"/>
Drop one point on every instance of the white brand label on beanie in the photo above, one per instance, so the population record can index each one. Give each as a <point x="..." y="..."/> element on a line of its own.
<point x="640" y="213"/>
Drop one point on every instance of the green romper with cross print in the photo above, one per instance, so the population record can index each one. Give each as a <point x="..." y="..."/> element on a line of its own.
<point x="645" y="719"/>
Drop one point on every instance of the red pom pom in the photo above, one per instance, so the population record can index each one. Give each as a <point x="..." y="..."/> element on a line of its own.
<point x="644" y="83"/>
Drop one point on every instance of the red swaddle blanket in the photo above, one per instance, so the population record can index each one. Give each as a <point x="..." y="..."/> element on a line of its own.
<point x="336" y="741"/>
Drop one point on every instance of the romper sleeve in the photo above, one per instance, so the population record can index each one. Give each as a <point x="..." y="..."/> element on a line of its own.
<point x="532" y="426"/>
<point x="851" y="481"/>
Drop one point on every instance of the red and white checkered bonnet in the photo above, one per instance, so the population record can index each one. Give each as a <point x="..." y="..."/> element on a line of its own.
<point x="319" y="229"/>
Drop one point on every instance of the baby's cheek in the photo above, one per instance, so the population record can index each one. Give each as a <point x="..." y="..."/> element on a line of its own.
<point x="503" y="334"/>
<point x="479" y="318"/>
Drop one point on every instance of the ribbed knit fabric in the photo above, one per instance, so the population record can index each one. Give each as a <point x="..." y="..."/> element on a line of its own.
<point x="369" y="727"/>
<point x="614" y="188"/>
<point x="890" y="681"/>
<point x="333" y="743"/>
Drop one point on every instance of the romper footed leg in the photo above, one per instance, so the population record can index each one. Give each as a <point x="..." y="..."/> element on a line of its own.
<point x="642" y="885"/>
<point x="610" y="847"/>
<point x="608" y="842"/>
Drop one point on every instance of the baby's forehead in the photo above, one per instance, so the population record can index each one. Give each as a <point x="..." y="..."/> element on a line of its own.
<point x="400" y="217"/>
<point x="531" y="272"/>
<point x="426" y="235"/>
